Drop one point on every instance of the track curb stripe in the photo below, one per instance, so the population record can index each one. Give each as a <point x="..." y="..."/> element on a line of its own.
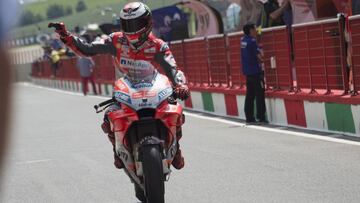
<point x="339" y="117"/>
<point x="208" y="104"/>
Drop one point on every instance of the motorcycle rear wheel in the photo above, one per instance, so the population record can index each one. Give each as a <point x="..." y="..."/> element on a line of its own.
<point x="153" y="174"/>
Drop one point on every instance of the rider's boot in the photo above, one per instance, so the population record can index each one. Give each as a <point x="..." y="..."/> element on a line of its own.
<point x="178" y="161"/>
<point x="106" y="128"/>
<point x="117" y="161"/>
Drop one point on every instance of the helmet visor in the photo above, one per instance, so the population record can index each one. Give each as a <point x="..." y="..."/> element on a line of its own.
<point x="134" y="25"/>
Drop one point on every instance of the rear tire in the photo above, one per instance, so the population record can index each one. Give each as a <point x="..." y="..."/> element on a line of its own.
<point x="153" y="174"/>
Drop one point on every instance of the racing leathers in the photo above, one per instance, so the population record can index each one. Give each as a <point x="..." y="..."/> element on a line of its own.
<point x="139" y="65"/>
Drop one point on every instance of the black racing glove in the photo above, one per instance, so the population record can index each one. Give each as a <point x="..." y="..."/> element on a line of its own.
<point x="182" y="92"/>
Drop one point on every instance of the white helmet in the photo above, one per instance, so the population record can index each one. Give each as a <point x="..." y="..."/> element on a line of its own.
<point x="136" y="22"/>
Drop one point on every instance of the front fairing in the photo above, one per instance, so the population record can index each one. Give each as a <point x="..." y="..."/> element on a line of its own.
<point x="146" y="94"/>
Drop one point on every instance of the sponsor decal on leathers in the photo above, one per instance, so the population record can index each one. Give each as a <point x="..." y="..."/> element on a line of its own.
<point x="135" y="64"/>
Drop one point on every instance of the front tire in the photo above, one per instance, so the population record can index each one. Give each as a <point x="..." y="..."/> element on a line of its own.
<point x="139" y="193"/>
<point x="153" y="174"/>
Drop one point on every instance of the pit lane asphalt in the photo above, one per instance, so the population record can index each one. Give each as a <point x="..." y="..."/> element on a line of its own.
<point x="58" y="153"/>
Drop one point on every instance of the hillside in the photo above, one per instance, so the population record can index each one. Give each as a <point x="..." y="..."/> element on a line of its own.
<point x="93" y="14"/>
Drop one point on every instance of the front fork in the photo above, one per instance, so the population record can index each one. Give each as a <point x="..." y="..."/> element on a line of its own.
<point x="132" y="161"/>
<point x="167" y="154"/>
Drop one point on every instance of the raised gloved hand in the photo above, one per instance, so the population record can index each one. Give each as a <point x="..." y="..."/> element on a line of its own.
<point x="60" y="28"/>
<point x="182" y="92"/>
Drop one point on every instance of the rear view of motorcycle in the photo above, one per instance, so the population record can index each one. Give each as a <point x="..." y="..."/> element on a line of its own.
<point x="145" y="128"/>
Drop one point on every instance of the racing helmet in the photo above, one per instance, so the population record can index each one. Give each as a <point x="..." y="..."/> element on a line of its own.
<point x="136" y="23"/>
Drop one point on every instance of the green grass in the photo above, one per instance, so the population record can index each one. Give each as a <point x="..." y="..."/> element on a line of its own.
<point x="91" y="15"/>
<point x="41" y="6"/>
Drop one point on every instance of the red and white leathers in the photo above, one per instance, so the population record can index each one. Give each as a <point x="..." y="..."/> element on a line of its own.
<point x="138" y="64"/>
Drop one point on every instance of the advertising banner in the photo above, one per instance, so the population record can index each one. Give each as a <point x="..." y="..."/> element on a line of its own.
<point x="170" y="23"/>
<point x="206" y="20"/>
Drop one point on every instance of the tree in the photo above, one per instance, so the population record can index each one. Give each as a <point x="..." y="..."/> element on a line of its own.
<point x="28" y="18"/>
<point x="80" y="6"/>
<point x="69" y="10"/>
<point x="55" y="11"/>
<point x="38" y="18"/>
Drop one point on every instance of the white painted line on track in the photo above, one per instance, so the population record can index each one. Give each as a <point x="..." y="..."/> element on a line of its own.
<point x="263" y="128"/>
<point x="35" y="161"/>
<point x="60" y="91"/>
<point x="269" y="129"/>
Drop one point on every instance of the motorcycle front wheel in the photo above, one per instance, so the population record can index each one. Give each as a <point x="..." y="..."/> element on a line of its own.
<point x="153" y="174"/>
<point x="139" y="193"/>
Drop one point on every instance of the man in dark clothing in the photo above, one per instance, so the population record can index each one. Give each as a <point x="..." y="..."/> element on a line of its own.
<point x="275" y="15"/>
<point x="251" y="59"/>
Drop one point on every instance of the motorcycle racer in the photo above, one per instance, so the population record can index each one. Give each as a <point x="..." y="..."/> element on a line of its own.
<point x="138" y="54"/>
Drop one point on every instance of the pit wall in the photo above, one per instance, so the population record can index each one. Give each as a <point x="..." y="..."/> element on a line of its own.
<point x="322" y="116"/>
<point x="336" y="114"/>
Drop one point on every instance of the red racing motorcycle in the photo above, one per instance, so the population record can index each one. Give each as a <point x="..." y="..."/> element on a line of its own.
<point x="145" y="129"/>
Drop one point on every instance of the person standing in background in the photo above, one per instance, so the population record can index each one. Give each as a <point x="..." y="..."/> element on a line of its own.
<point x="86" y="66"/>
<point x="251" y="58"/>
<point x="54" y="56"/>
<point x="274" y="14"/>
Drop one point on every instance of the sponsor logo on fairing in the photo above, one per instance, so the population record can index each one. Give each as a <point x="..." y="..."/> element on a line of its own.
<point x="121" y="86"/>
<point x="165" y="93"/>
<point x="121" y="97"/>
<point x="123" y="155"/>
<point x="143" y="94"/>
<point x="137" y="95"/>
<point x="145" y="104"/>
<point x="142" y="85"/>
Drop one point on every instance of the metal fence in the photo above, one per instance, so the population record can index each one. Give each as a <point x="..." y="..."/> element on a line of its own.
<point x="308" y="57"/>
